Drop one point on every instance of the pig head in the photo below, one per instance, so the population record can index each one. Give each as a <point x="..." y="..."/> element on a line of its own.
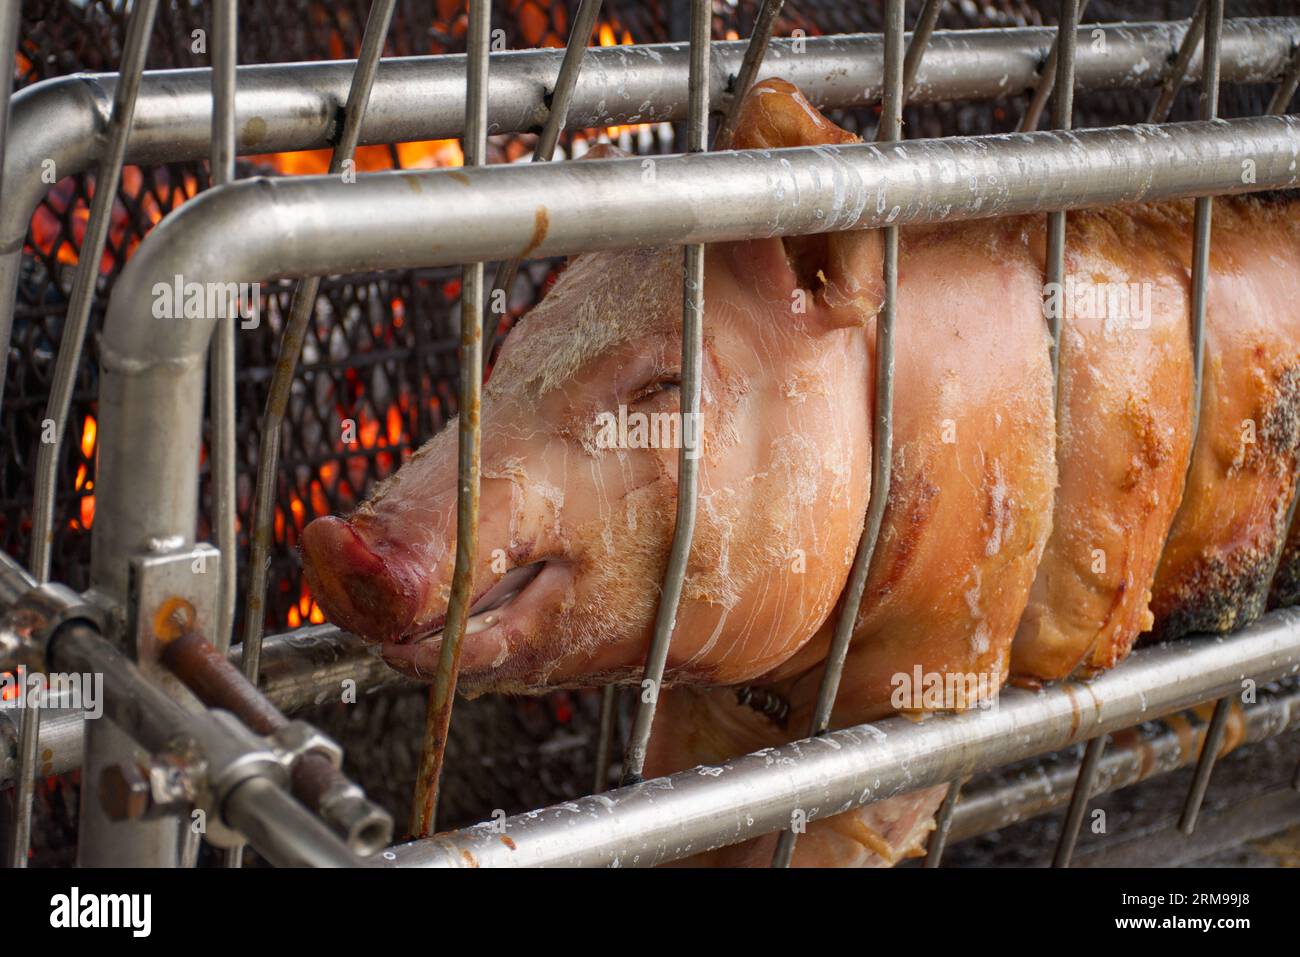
<point x="577" y="503"/>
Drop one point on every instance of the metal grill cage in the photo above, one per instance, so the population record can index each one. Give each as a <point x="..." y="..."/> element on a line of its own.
<point x="366" y="360"/>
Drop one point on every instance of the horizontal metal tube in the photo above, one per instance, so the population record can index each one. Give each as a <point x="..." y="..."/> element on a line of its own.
<point x="282" y="830"/>
<point x="272" y="821"/>
<point x="693" y="811"/>
<point x="152" y="369"/>
<point x="989" y="805"/>
<point x="296" y="106"/>
<point x="300" y="669"/>
<point x="62" y="732"/>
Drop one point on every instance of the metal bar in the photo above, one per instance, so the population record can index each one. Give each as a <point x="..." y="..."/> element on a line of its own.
<point x="442" y="694"/>
<point x="295" y="332"/>
<point x="134" y="51"/>
<point x="294" y="106"/>
<point x="692" y="373"/>
<point x="916" y="47"/>
<point x="225" y="31"/>
<point x="605" y="742"/>
<point x="1201" y="224"/>
<point x="10" y="21"/>
<point x="1286" y="89"/>
<point x="148" y="382"/>
<point x="25" y="793"/>
<point x="221" y="391"/>
<point x="755" y="52"/>
<point x="1052" y="73"/>
<point x="1063" y="119"/>
<point x="882" y="432"/>
<point x="556" y="119"/>
<point x="1178" y="69"/>
<point x="942" y="825"/>
<point x="1083" y="786"/>
<point x="301" y="306"/>
<point x="748" y="796"/>
<point x="1205" y="766"/>
<point x="1006" y="796"/>
<point x="279" y="827"/>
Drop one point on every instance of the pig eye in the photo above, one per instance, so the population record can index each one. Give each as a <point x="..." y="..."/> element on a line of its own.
<point x="663" y="383"/>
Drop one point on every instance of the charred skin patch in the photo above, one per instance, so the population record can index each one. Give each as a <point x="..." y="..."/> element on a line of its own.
<point x="1228" y="586"/>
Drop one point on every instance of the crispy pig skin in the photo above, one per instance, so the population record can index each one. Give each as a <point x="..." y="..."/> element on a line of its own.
<point x="1218" y="564"/>
<point x="1126" y="393"/>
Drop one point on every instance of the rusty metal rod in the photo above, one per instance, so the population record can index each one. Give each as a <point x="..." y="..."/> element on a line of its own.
<point x="442" y="694"/>
<point x="216" y="682"/>
<point x="560" y="101"/>
<point x="1178" y="69"/>
<point x="882" y="435"/>
<point x="692" y="372"/>
<point x="759" y="39"/>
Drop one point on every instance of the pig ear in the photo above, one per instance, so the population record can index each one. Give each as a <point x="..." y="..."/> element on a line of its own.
<point x="838" y="274"/>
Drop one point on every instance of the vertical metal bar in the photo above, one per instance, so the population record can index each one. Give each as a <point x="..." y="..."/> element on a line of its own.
<point x="1178" y="69"/>
<point x="1209" y="110"/>
<point x="1286" y="89"/>
<point x="301" y="306"/>
<point x="925" y="24"/>
<point x="882" y="439"/>
<point x="1047" y="79"/>
<point x="29" y="735"/>
<point x="295" y="331"/>
<point x="605" y="744"/>
<point x="579" y="37"/>
<point x="688" y="456"/>
<point x="443" y="693"/>
<point x="1210" y="748"/>
<point x="25" y="783"/>
<point x="1062" y="119"/>
<point x="225" y="19"/>
<point x="138" y="29"/>
<point x="759" y="38"/>
<point x="10" y="21"/>
<point x="942" y="825"/>
<point x="1083" y="787"/>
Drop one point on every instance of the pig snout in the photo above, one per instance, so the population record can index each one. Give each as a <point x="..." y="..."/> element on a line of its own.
<point x="371" y="588"/>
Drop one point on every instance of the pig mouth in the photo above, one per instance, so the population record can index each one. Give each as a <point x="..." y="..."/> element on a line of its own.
<point x="519" y="593"/>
